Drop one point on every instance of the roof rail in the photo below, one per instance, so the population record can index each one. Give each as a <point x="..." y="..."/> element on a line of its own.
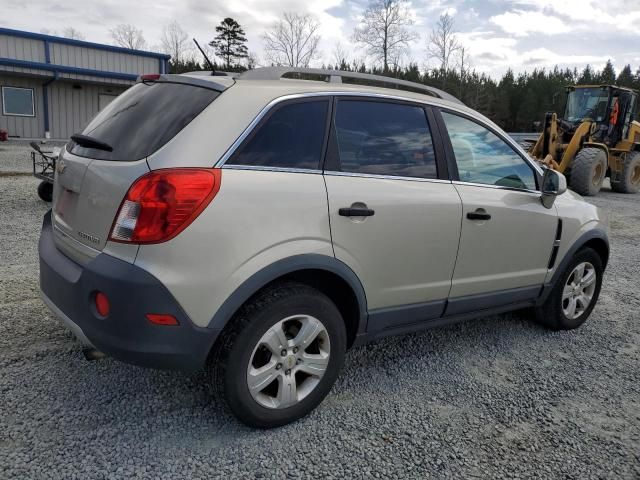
<point x="336" y="76"/>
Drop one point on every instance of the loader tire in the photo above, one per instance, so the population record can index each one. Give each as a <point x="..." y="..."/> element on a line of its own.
<point x="588" y="171"/>
<point x="629" y="181"/>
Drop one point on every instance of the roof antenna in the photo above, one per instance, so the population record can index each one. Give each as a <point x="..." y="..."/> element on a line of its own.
<point x="213" y="69"/>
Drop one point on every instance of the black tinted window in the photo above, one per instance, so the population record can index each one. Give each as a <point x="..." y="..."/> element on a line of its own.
<point x="292" y="137"/>
<point x="384" y="139"/>
<point x="143" y="119"/>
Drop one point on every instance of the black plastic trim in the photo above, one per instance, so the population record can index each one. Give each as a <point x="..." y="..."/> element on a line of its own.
<point x="125" y="334"/>
<point x="594" y="234"/>
<point x="283" y="267"/>
<point x="403" y="329"/>
<point x="394" y="317"/>
<point x="484" y="301"/>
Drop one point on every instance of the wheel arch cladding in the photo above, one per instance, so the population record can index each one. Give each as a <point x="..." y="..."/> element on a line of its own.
<point x="595" y="239"/>
<point x="327" y="274"/>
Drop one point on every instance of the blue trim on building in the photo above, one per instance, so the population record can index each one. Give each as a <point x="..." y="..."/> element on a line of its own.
<point x="45" y="99"/>
<point x="47" y="52"/>
<point x="80" y="43"/>
<point x="50" y="67"/>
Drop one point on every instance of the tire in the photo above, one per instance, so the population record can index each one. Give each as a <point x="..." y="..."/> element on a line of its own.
<point x="45" y="191"/>
<point x="242" y="349"/>
<point x="552" y="313"/>
<point x="588" y="171"/>
<point x="630" y="176"/>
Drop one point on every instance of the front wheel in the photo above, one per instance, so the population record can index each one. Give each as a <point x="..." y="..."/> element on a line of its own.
<point x="575" y="294"/>
<point x="280" y="356"/>
<point x="588" y="171"/>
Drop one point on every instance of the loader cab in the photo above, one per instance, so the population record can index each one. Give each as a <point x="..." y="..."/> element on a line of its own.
<point x="611" y="108"/>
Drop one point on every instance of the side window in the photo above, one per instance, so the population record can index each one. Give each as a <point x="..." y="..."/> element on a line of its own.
<point x="483" y="157"/>
<point x="384" y="139"/>
<point x="292" y="137"/>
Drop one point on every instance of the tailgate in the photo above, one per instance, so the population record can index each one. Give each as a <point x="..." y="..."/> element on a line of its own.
<point x="86" y="196"/>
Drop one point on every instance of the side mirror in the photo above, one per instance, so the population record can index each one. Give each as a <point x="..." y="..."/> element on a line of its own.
<point x="553" y="184"/>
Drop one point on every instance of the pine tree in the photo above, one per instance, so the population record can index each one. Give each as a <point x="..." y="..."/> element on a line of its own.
<point x="625" y="79"/>
<point x="230" y="42"/>
<point x="586" y="77"/>
<point x="608" y="74"/>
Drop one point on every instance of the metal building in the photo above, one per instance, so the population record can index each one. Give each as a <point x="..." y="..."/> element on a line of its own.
<point x="52" y="86"/>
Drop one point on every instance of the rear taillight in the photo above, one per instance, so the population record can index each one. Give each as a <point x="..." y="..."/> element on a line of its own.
<point x="162" y="203"/>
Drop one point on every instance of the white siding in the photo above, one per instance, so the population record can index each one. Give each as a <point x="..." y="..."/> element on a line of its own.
<point x="83" y="57"/>
<point x="29" y="127"/>
<point x="22" y="48"/>
<point x="70" y="108"/>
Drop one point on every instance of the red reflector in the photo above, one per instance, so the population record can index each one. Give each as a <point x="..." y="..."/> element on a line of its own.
<point x="162" y="203"/>
<point x="150" y="77"/>
<point x="102" y="304"/>
<point x="162" y="319"/>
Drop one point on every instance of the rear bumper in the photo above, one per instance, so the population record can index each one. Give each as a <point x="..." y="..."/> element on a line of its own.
<point x="68" y="288"/>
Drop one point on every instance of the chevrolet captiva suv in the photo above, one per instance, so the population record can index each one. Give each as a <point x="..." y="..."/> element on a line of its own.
<point x="259" y="225"/>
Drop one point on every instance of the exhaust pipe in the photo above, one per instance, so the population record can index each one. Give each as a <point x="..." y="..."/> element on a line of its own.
<point x="91" y="354"/>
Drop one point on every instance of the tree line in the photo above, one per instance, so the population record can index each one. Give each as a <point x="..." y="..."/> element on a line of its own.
<point x="516" y="101"/>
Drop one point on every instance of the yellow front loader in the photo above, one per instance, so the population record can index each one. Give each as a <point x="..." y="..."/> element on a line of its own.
<point x="597" y="137"/>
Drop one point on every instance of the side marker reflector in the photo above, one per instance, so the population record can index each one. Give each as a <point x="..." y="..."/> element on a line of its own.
<point x="162" y="319"/>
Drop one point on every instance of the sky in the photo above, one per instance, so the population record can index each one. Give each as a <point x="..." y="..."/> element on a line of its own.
<point x="521" y="34"/>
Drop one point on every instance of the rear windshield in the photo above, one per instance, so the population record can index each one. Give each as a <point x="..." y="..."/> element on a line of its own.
<point x="143" y="119"/>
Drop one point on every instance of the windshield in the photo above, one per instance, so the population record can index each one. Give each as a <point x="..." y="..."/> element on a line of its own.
<point x="587" y="103"/>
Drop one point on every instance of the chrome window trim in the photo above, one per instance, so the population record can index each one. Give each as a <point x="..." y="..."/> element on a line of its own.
<point x="260" y="168"/>
<point x="384" y="177"/>
<point x="427" y="101"/>
<point x="496" y="187"/>
<point x="247" y="131"/>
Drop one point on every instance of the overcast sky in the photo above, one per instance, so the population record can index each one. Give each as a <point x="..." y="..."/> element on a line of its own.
<point x="520" y="34"/>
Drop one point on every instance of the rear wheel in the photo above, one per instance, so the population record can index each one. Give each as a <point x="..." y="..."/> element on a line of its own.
<point x="588" y="171"/>
<point x="575" y="294"/>
<point x="45" y="191"/>
<point x="280" y="356"/>
<point x="629" y="180"/>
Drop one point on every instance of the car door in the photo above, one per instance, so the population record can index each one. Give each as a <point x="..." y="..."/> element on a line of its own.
<point x="393" y="220"/>
<point x="507" y="234"/>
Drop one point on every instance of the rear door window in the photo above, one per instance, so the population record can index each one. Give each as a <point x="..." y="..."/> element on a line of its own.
<point x="384" y="138"/>
<point x="143" y="119"/>
<point x="291" y="137"/>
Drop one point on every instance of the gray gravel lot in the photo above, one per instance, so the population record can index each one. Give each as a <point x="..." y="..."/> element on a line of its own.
<point x="498" y="397"/>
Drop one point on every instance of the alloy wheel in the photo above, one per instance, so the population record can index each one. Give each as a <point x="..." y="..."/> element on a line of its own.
<point x="579" y="290"/>
<point x="288" y="361"/>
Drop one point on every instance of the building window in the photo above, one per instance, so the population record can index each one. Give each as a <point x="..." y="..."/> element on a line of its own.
<point x="18" y="101"/>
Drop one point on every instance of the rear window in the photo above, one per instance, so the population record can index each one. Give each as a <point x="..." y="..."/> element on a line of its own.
<point x="143" y="119"/>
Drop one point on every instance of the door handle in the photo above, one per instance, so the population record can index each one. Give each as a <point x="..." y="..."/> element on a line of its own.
<point x="356" y="212"/>
<point x="479" y="214"/>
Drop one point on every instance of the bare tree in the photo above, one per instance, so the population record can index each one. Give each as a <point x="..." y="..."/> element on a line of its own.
<point x="443" y="43"/>
<point x="464" y="62"/>
<point x="128" y="36"/>
<point x="340" y="56"/>
<point x="68" y="32"/>
<point x="72" y="33"/>
<point x="175" y="42"/>
<point x="293" y="40"/>
<point x="385" y="30"/>
<point x="252" y="60"/>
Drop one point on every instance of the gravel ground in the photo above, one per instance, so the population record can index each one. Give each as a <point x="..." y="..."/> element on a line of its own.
<point x="15" y="156"/>
<point x="494" y="398"/>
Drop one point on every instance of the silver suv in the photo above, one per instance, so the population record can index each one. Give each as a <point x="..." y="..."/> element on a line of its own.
<point x="261" y="225"/>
